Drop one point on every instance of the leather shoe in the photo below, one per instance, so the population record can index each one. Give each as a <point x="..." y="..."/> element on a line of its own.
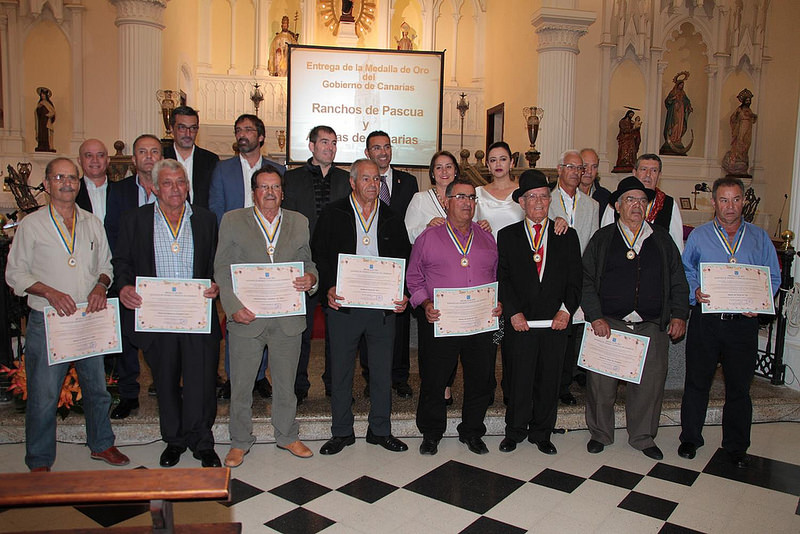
<point x="403" y="390"/>
<point x="40" y="469"/>
<point x="507" y="445"/>
<point x="366" y="391"/>
<point x="301" y="396"/>
<point x="264" y="388"/>
<point x="429" y="446"/>
<point x="224" y="391"/>
<point x="390" y="443"/>
<point x="687" y="450"/>
<point x="594" y="446"/>
<point x="546" y="446"/>
<point x="235" y="457"/>
<point x="568" y="399"/>
<point x="739" y="460"/>
<point x="336" y="444"/>
<point x="475" y="444"/>
<point x="171" y="455"/>
<point x="111" y="456"/>
<point x="124" y="408"/>
<point x="653" y="452"/>
<point x="298" y="448"/>
<point x="208" y="458"/>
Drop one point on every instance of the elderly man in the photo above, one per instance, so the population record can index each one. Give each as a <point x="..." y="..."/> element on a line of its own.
<point x="590" y="182"/>
<point x="93" y="193"/>
<point x="456" y="254"/>
<point x="198" y="162"/>
<point x="531" y="247"/>
<point x="359" y="224"/>
<point x="172" y="239"/>
<point x="262" y="234"/>
<point x="633" y="281"/>
<point x="731" y="338"/>
<point x="60" y="256"/>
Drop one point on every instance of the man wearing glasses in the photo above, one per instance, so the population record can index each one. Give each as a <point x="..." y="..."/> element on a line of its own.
<point x="633" y="281"/>
<point x="198" y="162"/>
<point x="456" y="254"/>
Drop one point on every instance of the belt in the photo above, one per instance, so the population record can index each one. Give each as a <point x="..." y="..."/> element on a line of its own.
<point x="728" y="316"/>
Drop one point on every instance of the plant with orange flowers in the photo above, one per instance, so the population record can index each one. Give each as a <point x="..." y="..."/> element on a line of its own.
<point x="70" y="390"/>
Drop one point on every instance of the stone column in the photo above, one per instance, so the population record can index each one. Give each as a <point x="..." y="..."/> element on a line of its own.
<point x="479" y="50"/>
<point x="559" y="31"/>
<point x="263" y="38"/>
<point x="454" y="55"/>
<point x="76" y="40"/>
<point x="203" y="36"/>
<point x="232" y="68"/>
<point x="140" y="24"/>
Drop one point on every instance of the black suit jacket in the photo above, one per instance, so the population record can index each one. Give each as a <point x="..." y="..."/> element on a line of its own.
<point x="298" y="189"/>
<point x="135" y="256"/>
<point x="122" y="196"/>
<point x="519" y="287"/>
<point x="83" y="201"/>
<point x="404" y="186"/>
<point x="336" y="233"/>
<point x="202" y="168"/>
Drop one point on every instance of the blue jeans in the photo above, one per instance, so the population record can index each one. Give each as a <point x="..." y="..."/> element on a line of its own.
<point x="44" y="389"/>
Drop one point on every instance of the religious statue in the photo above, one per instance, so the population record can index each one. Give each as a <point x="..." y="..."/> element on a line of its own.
<point x="45" y="117"/>
<point x="736" y="161"/>
<point x="628" y="140"/>
<point x="347" y="11"/>
<point x="279" y="48"/>
<point x="405" y="42"/>
<point x="675" y="125"/>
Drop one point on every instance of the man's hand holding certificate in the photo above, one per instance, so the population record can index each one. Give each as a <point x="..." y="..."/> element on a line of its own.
<point x="464" y="310"/>
<point x="171" y="305"/>
<point x="268" y="289"/>
<point x="619" y="354"/>
<point x="735" y="288"/>
<point x="369" y="282"/>
<point x="82" y="334"/>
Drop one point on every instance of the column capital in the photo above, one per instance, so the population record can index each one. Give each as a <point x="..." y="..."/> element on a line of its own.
<point x="560" y="29"/>
<point x="144" y="12"/>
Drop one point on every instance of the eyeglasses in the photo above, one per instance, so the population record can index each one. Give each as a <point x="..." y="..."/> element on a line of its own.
<point x="267" y="187"/>
<point x="635" y="200"/>
<point x="245" y="129"/>
<point x="570" y="167"/>
<point x="464" y="196"/>
<point x="169" y="184"/>
<point x="184" y="128"/>
<point x="60" y="178"/>
<point x="536" y="197"/>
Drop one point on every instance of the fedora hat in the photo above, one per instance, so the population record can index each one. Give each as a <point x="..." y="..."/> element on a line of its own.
<point x="631" y="183"/>
<point x="531" y="179"/>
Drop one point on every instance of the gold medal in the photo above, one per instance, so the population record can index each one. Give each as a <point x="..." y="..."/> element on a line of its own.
<point x="271" y="250"/>
<point x="365" y="240"/>
<point x="732" y="260"/>
<point x="464" y="262"/>
<point x="72" y="262"/>
<point x="175" y="247"/>
<point x="537" y="257"/>
<point x="631" y="254"/>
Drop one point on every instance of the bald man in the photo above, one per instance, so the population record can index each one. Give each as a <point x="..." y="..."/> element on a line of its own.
<point x="93" y="192"/>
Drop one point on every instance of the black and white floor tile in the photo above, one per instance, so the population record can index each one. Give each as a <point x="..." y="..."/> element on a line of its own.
<point x="367" y="489"/>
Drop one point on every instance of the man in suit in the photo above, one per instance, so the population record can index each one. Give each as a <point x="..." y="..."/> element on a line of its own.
<point x="309" y="188"/>
<point x="531" y="247"/>
<point x="360" y="224"/>
<point x="265" y="233"/>
<point x="397" y="188"/>
<point x="172" y="239"/>
<point x="198" y="162"/>
<point x="93" y="192"/>
<point x="590" y="182"/>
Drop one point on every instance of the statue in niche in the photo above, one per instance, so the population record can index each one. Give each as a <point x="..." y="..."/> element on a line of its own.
<point x="279" y="48"/>
<point x="736" y="161"/>
<point x="45" y="117"/>
<point x="405" y="42"/>
<point x="347" y="11"/>
<point x="675" y="125"/>
<point x="628" y="140"/>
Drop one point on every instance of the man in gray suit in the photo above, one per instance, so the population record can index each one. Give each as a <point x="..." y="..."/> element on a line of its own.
<point x="264" y="233"/>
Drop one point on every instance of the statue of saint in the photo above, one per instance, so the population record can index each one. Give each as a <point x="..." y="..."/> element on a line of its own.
<point x="279" y="49"/>
<point x="675" y="125"/>
<point x="45" y="117"/>
<point x="405" y="42"/>
<point x="347" y="11"/>
<point x="736" y="161"/>
<point x="628" y="140"/>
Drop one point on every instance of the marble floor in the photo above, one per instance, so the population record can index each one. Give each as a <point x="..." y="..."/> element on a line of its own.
<point x="367" y="489"/>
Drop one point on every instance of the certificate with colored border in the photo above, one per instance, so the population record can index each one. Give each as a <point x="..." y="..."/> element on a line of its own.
<point x="173" y="305"/>
<point x="266" y="288"/>
<point x="370" y="281"/>
<point x="82" y="335"/>
<point x="737" y="288"/>
<point x="464" y="311"/>
<point x="620" y="356"/>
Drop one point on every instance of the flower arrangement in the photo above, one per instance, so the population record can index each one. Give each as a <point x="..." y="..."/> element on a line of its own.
<point x="70" y="390"/>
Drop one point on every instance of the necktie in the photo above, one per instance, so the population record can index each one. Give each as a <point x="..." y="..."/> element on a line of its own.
<point x="537" y="228"/>
<point x="384" y="193"/>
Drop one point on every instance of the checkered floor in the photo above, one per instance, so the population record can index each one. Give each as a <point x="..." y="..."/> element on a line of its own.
<point x="367" y="489"/>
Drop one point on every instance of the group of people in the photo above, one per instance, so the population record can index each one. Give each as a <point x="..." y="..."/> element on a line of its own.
<point x="184" y="214"/>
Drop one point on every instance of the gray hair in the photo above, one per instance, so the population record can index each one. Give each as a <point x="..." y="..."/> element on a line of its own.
<point x="168" y="164"/>
<point x="356" y="164"/>
<point x="593" y="151"/>
<point x="566" y="153"/>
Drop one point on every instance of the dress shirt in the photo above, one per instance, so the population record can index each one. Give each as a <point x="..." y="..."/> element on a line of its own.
<point x="38" y="255"/>
<point x="675" y="223"/>
<point x="247" y="175"/>
<point x="271" y="227"/>
<point x="97" y="196"/>
<point x="436" y="262"/>
<point x="168" y="263"/>
<point x="423" y="207"/>
<point x="704" y="245"/>
<point x="188" y="164"/>
<point x="499" y="212"/>
<point x="144" y="198"/>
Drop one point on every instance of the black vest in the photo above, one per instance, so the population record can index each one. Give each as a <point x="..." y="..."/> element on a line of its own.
<point x="632" y="285"/>
<point x="664" y="217"/>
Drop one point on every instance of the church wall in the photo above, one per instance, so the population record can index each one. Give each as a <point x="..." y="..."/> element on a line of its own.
<point x="220" y="35"/>
<point x="100" y="71"/>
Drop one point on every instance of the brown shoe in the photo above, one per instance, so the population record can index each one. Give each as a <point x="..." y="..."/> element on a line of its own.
<point x="235" y="457"/>
<point x="298" y="449"/>
<point x="42" y="469"/>
<point x="112" y="456"/>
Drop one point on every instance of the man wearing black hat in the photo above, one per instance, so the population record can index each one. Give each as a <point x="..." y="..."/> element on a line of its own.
<point x="633" y="281"/>
<point x="533" y="365"/>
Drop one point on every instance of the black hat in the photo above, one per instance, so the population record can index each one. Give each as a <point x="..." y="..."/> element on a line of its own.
<point x="631" y="183"/>
<point x="531" y="179"/>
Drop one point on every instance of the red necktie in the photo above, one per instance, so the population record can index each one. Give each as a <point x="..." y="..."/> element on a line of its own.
<point x="538" y="229"/>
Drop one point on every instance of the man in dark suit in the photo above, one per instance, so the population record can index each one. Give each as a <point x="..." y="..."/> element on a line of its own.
<point x="397" y="188"/>
<point x="540" y="278"/>
<point x="590" y="182"/>
<point x="198" y="162"/>
<point x="93" y="192"/>
<point x="180" y="243"/>
<point x="374" y="234"/>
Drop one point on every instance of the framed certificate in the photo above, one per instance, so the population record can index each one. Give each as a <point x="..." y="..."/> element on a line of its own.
<point x="736" y="288"/>
<point x="173" y="305"/>
<point x="82" y="335"/>
<point x="465" y="310"/>
<point x="620" y="356"/>
<point x="370" y="281"/>
<point x="266" y="288"/>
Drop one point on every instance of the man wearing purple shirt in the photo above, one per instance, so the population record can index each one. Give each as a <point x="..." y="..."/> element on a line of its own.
<point x="456" y="254"/>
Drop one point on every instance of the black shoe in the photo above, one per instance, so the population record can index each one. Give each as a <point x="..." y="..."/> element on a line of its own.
<point x="366" y="391"/>
<point x="171" y="455"/>
<point x="336" y="444"/>
<point x="568" y="399"/>
<point x="507" y="445"/>
<point x="151" y="390"/>
<point x="687" y="450"/>
<point x="429" y="446"/>
<point x="475" y="444"/>
<point x="301" y="396"/>
<point x="739" y="460"/>
<point x="653" y="452"/>
<point x="594" y="446"/>
<point x="390" y="443"/>
<point x="208" y="458"/>
<point x="403" y="390"/>
<point x="124" y="408"/>
<point x="546" y="446"/>
<point x="224" y="391"/>
<point x="449" y="401"/>
<point x="264" y="388"/>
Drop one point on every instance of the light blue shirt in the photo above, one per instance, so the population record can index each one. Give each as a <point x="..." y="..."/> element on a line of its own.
<point x="143" y="198"/>
<point x="170" y="264"/>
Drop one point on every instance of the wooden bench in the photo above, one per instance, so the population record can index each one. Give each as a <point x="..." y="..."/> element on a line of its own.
<point x="158" y="486"/>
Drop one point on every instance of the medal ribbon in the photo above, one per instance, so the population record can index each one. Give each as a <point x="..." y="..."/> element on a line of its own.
<point x="463" y="249"/>
<point x="535" y="245"/>
<point x="574" y="207"/>
<point x="625" y="236"/>
<point x="264" y="227"/>
<point x="62" y="232"/>
<point x="723" y="237"/>
<point x="177" y="229"/>
<point x="365" y="225"/>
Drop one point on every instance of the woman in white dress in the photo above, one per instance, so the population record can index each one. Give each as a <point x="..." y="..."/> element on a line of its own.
<point x="427" y="207"/>
<point x="495" y="203"/>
